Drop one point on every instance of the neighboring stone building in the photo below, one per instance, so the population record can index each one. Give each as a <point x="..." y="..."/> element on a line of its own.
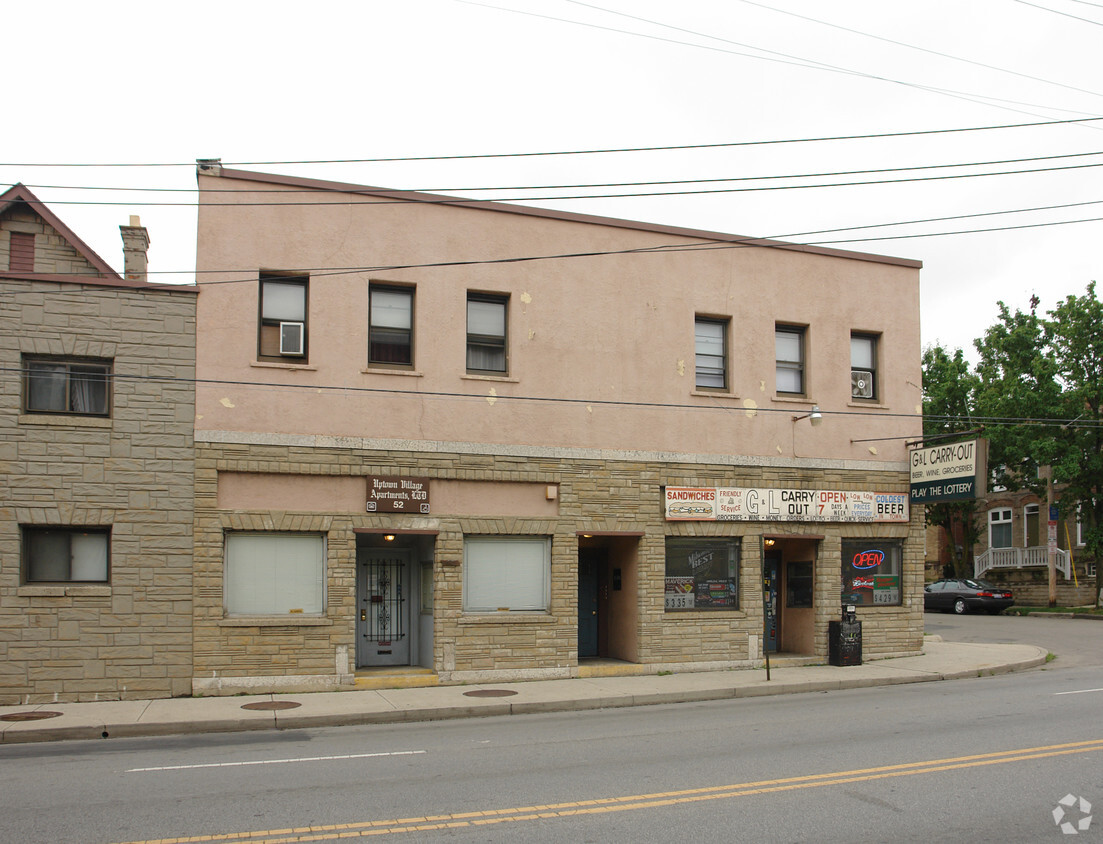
<point x="1013" y="550"/>
<point x="497" y="442"/>
<point x="96" y="464"/>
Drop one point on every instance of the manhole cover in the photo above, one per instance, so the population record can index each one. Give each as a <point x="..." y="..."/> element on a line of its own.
<point x="490" y="693"/>
<point x="269" y="705"/>
<point x="29" y="716"/>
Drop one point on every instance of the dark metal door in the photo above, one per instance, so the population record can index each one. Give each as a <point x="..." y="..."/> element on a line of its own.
<point x="587" y="609"/>
<point x="383" y="598"/>
<point x="770" y="569"/>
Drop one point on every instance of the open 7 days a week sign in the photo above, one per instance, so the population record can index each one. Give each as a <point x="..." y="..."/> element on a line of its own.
<point x="755" y="504"/>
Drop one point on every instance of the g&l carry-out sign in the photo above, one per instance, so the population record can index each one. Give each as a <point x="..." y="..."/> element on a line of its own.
<point x="952" y="472"/>
<point x="708" y="504"/>
<point x="388" y="494"/>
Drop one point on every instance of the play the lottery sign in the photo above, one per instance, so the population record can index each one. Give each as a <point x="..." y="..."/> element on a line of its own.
<point x="717" y="504"/>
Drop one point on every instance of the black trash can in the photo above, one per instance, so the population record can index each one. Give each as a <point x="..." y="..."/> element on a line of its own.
<point x="844" y="646"/>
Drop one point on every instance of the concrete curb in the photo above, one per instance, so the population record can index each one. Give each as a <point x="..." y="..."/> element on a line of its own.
<point x="132" y="719"/>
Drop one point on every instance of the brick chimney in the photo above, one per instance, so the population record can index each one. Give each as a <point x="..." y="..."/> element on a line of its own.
<point x="135" y="245"/>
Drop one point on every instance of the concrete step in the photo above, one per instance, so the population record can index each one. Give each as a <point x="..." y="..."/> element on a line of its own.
<point x="395" y="677"/>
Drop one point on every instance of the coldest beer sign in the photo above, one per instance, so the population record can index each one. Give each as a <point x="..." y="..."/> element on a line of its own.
<point x="710" y="504"/>
<point x="948" y="472"/>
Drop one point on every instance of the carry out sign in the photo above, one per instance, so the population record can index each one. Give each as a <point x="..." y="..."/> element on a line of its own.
<point x="954" y="472"/>
<point x="715" y="504"/>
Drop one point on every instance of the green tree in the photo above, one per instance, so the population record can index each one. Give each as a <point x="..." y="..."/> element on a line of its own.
<point x="948" y="394"/>
<point x="1020" y="397"/>
<point x="1074" y="336"/>
<point x="1041" y="387"/>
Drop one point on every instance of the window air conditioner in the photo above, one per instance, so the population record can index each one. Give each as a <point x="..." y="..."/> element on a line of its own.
<point x="292" y="335"/>
<point x="861" y="384"/>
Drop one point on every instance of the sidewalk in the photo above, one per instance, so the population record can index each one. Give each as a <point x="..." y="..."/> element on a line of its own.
<point x="114" y="719"/>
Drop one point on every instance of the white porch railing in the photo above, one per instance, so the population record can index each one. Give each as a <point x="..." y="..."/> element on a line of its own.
<point x="1020" y="558"/>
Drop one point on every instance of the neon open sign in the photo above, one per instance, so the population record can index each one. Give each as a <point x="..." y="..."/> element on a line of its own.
<point x="868" y="559"/>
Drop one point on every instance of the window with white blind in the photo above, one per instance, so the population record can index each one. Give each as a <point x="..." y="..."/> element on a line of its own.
<point x="282" y="334"/>
<point x="506" y="573"/>
<point x="486" y="333"/>
<point x="789" y="351"/>
<point x="274" y="573"/>
<point x="711" y="353"/>
<point x="391" y="326"/>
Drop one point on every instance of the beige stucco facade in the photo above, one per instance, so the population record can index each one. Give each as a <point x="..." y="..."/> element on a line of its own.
<point x="597" y="408"/>
<point x="124" y="475"/>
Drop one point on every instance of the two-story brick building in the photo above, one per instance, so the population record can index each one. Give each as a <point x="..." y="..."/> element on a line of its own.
<point x="498" y="441"/>
<point x="96" y="463"/>
<point x="1013" y="549"/>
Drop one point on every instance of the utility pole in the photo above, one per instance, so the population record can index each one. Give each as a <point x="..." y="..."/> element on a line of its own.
<point x="1051" y="543"/>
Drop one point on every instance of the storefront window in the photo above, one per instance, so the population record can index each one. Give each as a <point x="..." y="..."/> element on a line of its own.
<point x="702" y="574"/>
<point x="871" y="572"/>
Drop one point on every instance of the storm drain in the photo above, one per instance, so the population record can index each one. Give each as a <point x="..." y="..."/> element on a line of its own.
<point x="29" y="716"/>
<point x="270" y="705"/>
<point x="490" y="693"/>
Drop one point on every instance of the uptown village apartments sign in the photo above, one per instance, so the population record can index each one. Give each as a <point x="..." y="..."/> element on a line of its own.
<point x="713" y="504"/>
<point x="953" y="472"/>
<point x="387" y="494"/>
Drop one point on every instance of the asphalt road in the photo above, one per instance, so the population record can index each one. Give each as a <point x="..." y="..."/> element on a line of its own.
<point x="1072" y="641"/>
<point x="980" y="760"/>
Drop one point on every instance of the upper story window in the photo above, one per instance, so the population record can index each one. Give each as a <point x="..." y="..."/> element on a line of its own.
<point x="21" y="252"/>
<point x="863" y="366"/>
<point x="60" y="385"/>
<point x="283" y="309"/>
<point x="66" y="555"/>
<point x="711" y="348"/>
<point x="486" y="333"/>
<point x="999" y="528"/>
<point x="789" y="352"/>
<point x="391" y="326"/>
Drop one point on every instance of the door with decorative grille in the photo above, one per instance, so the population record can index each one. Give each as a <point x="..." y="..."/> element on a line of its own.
<point x="383" y="601"/>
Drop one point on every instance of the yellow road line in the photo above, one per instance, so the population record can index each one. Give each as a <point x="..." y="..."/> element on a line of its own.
<point x="332" y="832"/>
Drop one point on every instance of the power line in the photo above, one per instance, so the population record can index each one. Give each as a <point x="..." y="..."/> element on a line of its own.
<point x="921" y="49"/>
<point x="746" y="243"/>
<point x="444" y="200"/>
<point x="596" y="151"/>
<point x="566" y="400"/>
<point x="719" y="242"/>
<point x="784" y="58"/>
<point x="712" y="180"/>
<point x="1056" y="12"/>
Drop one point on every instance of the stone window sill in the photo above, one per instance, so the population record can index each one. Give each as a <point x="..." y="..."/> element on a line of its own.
<point x="700" y="615"/>
<point x="271" y="364"/>
<point x="507" y="618"/>
<point x="715" y="394"/>
<point x="473" y="376"/>
<point x="64" y="591"/>
<point x="383" y="370"/>
<point x="64" y="420"/>
<point x="275" y="621"/>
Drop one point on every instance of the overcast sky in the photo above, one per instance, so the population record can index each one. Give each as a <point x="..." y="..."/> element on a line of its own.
<point x="168" y="82"/>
